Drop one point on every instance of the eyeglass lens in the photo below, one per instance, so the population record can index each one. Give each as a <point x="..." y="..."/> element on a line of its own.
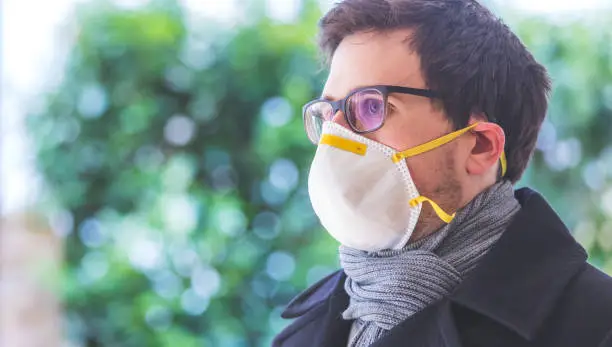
<point x="365" y="111"/>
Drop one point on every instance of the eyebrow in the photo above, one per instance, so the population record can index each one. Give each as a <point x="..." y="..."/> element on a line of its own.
<point x="394" y="97"/>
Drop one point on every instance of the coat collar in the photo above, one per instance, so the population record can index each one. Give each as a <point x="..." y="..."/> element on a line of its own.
<point x="516" y="284"/>
<point x="526" y="271"/>
<point x="316" y="295"/>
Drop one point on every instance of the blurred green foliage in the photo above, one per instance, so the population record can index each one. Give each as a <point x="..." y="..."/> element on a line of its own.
<point x="176" y="148"/>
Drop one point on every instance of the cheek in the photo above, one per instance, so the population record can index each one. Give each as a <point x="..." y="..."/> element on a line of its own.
<point x="433" y="171"/>
<point x="406" y="130"/>
<point x="425" y="171"/>
<point x="397" y="135"/>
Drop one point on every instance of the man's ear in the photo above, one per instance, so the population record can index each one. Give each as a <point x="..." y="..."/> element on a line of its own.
<point x="487" y="149"/>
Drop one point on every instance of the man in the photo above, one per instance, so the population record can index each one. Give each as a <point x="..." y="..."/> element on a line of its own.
<point x="429" y="115"/>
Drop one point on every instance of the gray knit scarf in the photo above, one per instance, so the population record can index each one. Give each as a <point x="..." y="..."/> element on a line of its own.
<point x="387" y="287"/>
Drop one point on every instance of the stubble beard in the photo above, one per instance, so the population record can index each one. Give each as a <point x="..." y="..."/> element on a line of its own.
<point x="447" y="194"/>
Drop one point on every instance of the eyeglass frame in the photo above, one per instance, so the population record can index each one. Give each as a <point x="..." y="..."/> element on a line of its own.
<point x="385" y="90"/>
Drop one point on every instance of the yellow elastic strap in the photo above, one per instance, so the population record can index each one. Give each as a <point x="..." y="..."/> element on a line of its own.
<point x="447" y="218"/>
<point x="428" y="146"/>
<point x="504" y="163"/>
<point x="344" y="144"/>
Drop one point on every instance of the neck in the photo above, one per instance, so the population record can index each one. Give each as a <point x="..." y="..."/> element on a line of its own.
<point x="425" y="229"/>
<point x="429" y="223"/>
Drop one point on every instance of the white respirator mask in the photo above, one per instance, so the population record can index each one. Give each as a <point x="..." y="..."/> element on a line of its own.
<point x="362" y="190"/>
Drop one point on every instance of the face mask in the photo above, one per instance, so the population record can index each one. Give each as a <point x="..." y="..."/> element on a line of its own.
<point x="362" y="191"/>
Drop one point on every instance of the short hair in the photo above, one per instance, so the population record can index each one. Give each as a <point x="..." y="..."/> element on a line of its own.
<point x="468" y="55"/>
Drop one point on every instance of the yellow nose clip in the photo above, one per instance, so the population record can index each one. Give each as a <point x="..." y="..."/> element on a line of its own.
<point x="344" y="144"/>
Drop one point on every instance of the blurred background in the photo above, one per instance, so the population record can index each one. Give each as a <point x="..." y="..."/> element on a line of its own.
<point x="153" y="162"/>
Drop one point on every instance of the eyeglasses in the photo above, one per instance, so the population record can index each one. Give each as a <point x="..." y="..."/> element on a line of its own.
<point x="364" y="109"/>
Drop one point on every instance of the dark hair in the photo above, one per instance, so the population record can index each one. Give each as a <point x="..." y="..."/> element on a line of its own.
<point x="468" y="55"/>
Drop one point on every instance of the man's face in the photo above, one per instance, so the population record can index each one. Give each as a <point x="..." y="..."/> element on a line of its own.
<point x="366" y="59"/>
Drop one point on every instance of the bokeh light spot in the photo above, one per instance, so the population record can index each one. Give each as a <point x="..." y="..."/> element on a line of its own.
<point x="184" y="259"/>
<point x="61" y="222"/>
<point x="284" y="174"/>
<point x="192" y="303"/>
<point x="206" y="281"/>
<point x="145" y="254"/>
<point x="585" y="233"/>
<point x="230" y="220"/>
<point x="283" y="11"/>
<point x="158" y="317"/>
<point x="180" y="213"/>
<point x="167" y="285"/>
<point x="179" y="130"/>
<point x="280" y="265"/>
<point x="276" y="111"/>
<point x="606" y="202"/>
<point x="92" y="233"/>
<point x="94" y="266"/>
<point x="271" y="194"/>
<point x="93" y="101"/>
<point x="266" y="225"/>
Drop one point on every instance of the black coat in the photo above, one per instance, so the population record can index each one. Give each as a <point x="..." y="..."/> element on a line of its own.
<point x="533" y="288"/>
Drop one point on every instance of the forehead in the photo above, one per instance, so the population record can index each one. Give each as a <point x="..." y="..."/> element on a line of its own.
<point x="372" y="58"/>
